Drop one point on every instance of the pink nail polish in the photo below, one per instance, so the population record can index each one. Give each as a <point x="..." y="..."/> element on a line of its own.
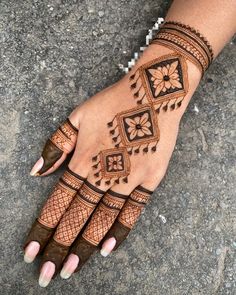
<point x="31" y="251"/>
<point x="37" y="166"/>
<point x="46" y="273"/>
<point x="108" y="246"/>
<point x="70" y="266"/>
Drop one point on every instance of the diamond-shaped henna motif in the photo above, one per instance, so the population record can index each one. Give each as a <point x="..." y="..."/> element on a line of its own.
<point x="111" y="164"/>
<point x="136" y="128"/>
<point x="162" y="82"/>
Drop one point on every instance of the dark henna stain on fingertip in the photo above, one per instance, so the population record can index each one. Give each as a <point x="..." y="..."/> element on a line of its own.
<point x="39" y="233"/>
<point x="51" y="154"/>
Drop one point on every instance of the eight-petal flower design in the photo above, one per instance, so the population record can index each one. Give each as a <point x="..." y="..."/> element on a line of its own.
<point x="115" y="163"/>
<point x="139" y="126"/>
<point x="165" y="77"/>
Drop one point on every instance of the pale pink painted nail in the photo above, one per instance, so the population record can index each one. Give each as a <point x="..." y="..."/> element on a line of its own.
<point x="31" y="251"/>
<point x="108" y="246"/>
<point x="70" y="266"/>
<point x="46" y="273"/>
<point x="37" y="166"/>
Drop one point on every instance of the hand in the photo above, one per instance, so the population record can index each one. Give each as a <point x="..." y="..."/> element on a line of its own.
<point x="122" y="144"/>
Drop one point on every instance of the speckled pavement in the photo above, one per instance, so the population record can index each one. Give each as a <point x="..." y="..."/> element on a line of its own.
<point x="55" y="54"/>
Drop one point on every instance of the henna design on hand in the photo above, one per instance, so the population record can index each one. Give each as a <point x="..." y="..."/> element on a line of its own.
<point x="65" y="136"/>
<point x="60" y="199"/>
<point x="77" y="215"/>
<point x="160" y="82"/>
<point x="63" y="140"/>
<point x="187" y="41"/>
<point x="103" y="217"/>
<point x="112" y="164"/>
<point x="136" y="128"/>
<point x="57" y="203"/>
<point x="158" y="85"/>
<point x="133" y="207"/>
<point x="128" y="215"/>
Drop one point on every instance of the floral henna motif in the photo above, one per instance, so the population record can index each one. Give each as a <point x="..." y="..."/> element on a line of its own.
<point x="65" y="137"/>
<point x="136" y="128"/>
<point x="112" y="164"/>
<point x="104" y="217"/>
<point x="162" y="82"/>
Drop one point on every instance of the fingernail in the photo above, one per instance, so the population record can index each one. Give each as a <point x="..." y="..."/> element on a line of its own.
<point x="31" y="251"/>
<point x="70" y="266"/>
<point x="108" y="246"/>
<point x="46" y="274"/>
<point x="37" y="166"/>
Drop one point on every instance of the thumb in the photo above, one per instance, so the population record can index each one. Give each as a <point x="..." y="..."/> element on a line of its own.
<point x="58" y="146"/>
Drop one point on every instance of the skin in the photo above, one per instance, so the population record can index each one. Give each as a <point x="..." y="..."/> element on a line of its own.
<point x="92" y="116"/>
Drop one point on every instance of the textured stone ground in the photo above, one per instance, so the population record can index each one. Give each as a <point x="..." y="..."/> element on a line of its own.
<point x="57" y="53"/>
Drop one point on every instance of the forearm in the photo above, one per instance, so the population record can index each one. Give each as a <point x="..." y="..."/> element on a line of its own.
<point x="215" y="20"/>
<point x="193" y="31"/>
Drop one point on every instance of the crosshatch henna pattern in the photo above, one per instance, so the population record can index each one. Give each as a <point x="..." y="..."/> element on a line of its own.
<point x="103" y="217"/>
<point x="76" y="216"/>
<point x="65" y="137"/>
<point x="133" y="207"/>
<point x="60" y="199"/>
<point x="111" y="164"/>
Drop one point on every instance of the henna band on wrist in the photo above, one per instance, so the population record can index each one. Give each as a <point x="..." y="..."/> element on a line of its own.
<point x="187" y="41"/>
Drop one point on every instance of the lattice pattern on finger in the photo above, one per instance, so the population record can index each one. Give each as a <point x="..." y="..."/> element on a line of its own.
<point x="65" y="137"/>
<point x="133" y="207"/>
<point x="73" y="180"/>
<point x="140" y="196"/>
<point x="90" y="193"/>
<point x="73" y="221"/>
<point x="99" y="225"/>
<point x="113" y="201"/>
<point x="104" y="217"/>
<point x="130" y="213"/>
<point x="69" y="130"/>
<point x="56" y="205"/>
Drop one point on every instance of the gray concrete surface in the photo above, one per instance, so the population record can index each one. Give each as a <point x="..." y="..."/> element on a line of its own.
<point x="57" y="53"/>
